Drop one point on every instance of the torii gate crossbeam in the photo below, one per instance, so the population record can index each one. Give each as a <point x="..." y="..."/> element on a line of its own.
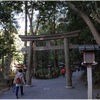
<point x="49" y="37"/>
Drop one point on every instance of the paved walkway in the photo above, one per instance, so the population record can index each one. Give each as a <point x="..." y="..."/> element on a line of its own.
<point x="52" y="89"/>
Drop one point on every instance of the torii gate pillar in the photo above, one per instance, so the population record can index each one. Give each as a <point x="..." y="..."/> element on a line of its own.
<point x="28" y="76"/>
<point x="67" y="64"/>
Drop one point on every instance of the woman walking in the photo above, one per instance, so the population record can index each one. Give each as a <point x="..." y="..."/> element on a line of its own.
<point x="19" y="81"/>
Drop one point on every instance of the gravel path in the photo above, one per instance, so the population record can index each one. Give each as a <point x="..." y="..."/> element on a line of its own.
<point x="52" y="89"/>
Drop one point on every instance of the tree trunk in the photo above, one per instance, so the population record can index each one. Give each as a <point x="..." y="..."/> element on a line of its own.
<point x="87" y="20"/>
<point x="25" y="42"/>
<point x="30" y="60"/>
<point x="55" y="57"/>
<point x="7" y="67"/>
<point x="35" y="53"/>
<point x="2" y="63"/>
<point x="55" y="42"/>
<point x="35" y="62"/>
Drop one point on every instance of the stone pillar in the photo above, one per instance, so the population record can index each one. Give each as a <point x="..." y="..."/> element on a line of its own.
<point x="67" y="64"/>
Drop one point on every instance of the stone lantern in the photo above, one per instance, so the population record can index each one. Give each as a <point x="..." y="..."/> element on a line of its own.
<point x="89" y="60"/>
<point x="88" y="54"/>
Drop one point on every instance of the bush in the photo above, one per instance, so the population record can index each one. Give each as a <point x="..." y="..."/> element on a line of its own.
<point x="41" y="73"/>
<point x="46" y="73"/>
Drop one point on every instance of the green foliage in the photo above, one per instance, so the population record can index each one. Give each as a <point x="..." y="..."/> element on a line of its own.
<point x="96" y="78"/>
<point x="43" y="58"/>
<point x="85" y="37"/>
<point x="8" y="9"/>
<point x="8" y="29"/>
<point x="75" y="56"/>
<point x="50" y="22"/>
<point x="42" y="73"/>
<point x="46" y="73"/>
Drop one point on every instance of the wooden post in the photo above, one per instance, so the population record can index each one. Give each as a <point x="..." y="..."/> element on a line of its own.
<point x="67" y="64"/>
<point x="76" y="74"/>
<point x="29" y="72"/>
<point x="89" y="79"/>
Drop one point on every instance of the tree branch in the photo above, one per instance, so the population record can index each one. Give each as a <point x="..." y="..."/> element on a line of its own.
<point x="87" y="20"/>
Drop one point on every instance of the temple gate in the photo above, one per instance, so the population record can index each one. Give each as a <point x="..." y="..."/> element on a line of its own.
<point x="66" y="46"/>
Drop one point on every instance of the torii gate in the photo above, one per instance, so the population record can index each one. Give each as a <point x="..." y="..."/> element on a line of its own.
<point x="48" y="46"/>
